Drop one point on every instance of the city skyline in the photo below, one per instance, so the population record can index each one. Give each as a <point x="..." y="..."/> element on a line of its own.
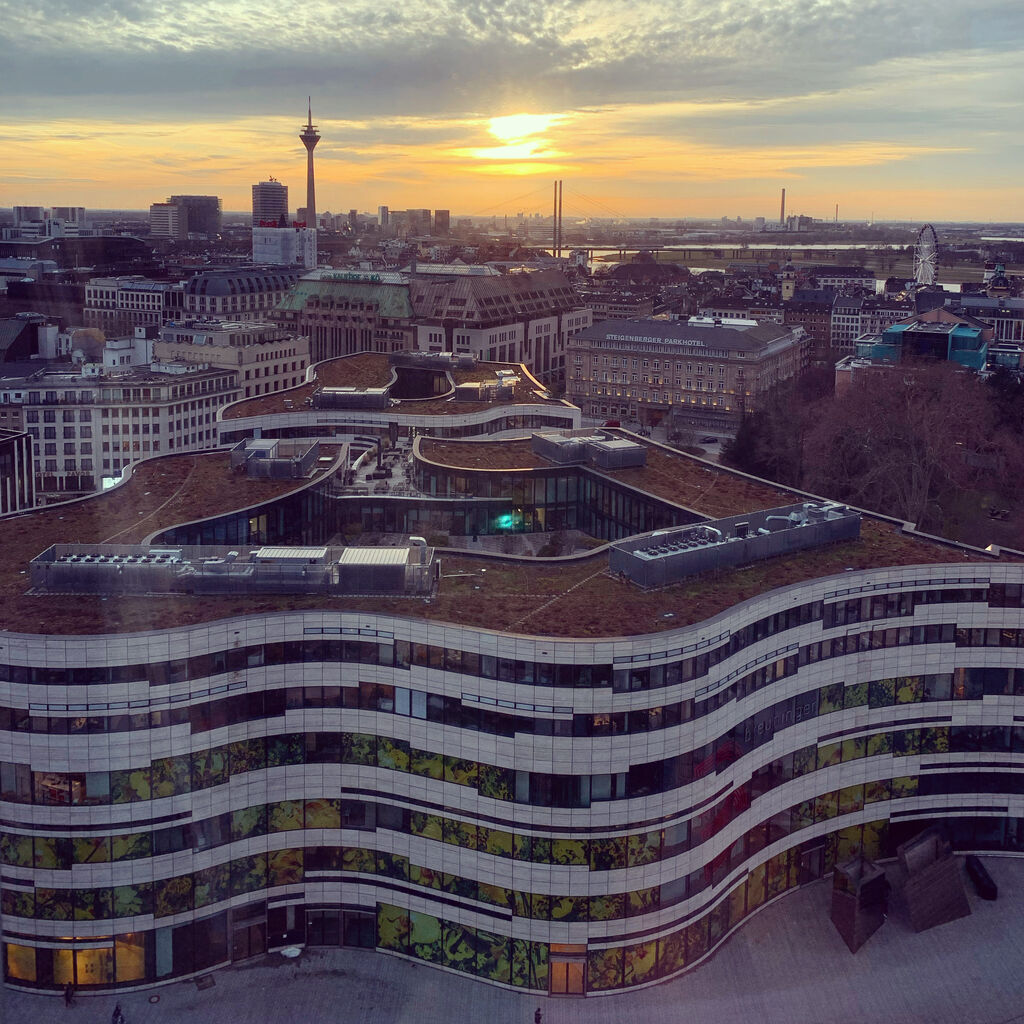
<point x="688" y="111"/>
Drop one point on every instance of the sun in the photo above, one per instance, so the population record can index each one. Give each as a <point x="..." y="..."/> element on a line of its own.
<point x="516" y="127"/>
<point x="520" y="141"/>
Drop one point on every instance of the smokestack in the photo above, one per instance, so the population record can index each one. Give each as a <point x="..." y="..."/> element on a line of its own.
<point x="554" y="221"/>
<point x="837" y="213"/>
<point x="782" y="210"/>
<point x="559" y="217"/>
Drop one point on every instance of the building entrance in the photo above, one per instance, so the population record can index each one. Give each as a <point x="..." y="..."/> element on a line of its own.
<point x="248" y="940"/>
<point x="567" y="970"/>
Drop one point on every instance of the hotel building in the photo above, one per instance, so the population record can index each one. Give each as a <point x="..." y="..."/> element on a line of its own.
<point x="703" y="370"/>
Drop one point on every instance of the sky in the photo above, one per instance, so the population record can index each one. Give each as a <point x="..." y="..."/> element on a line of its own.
<point x="644" y="108"/>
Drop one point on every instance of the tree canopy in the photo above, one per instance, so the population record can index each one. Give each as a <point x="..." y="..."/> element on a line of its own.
<point x="929" y="443"/>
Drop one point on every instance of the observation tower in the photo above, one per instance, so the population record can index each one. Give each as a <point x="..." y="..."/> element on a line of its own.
<point x="310" y="137"/>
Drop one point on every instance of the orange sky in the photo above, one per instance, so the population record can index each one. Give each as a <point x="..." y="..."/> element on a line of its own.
<point x="669" y="109"/>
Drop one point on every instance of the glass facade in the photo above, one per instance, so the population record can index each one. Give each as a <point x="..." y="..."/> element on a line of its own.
<point x="498" y="420"/>
<point x="264" y="774"/>
<point x="561" y="815"/>
<point x="566" y="499"/>
<point x="538" y="500"/>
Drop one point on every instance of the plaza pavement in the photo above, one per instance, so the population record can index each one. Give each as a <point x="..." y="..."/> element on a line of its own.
<point x="787" y="965"/>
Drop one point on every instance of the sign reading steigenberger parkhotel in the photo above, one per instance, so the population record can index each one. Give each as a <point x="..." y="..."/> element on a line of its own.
<point x="655" y="341"/>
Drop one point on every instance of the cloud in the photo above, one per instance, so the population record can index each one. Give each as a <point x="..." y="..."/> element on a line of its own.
<point x="484" y="55"/>
<point x="685" y="92"/>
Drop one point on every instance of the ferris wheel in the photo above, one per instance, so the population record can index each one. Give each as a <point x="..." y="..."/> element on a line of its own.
<point x="926" y="256"/>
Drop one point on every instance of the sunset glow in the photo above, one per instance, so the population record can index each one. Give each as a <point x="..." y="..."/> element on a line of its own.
<point x="703" y="110"/>
<point x="515" y="127"/>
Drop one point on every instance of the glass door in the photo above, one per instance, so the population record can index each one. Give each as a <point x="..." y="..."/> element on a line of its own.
<point x="567" y="970"/>
<point x="248" y="940"/>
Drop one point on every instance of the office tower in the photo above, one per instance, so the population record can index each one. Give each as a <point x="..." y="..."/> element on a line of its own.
<point x="28" y="214"/>
<point x="165" y="221"/>
<point x="442" y="222"/>
<point x="269" y="203"/>
<point x="73" y="214"/>
<point x="181" y="216"/>
<point x="284" y="247"/>
<point x="419" y="222"/>
<point x="201" y="213"/>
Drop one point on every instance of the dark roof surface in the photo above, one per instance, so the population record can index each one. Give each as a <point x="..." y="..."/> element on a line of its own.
<point x="826" y="270"/>
<point x="15" y="338"/>
<point x="561" y="599"/>
<point x="220" y="283"/>
<point x="716" y="336"/>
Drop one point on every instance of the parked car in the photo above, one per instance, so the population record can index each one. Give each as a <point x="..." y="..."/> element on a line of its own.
<point x="709" y="440"/>
<point x="612" y="423"/>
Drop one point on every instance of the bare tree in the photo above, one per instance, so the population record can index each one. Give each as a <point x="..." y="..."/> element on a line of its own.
<point x="899" y="440"/>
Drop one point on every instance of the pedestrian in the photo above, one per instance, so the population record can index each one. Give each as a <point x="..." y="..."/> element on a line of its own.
<point x="69" y="994"/>
<point x="537" y="1016"/>
<point x="117" y="1017"/>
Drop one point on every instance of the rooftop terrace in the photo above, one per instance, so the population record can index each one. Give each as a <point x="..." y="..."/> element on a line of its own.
<point x="360" y="371"/>
<point x="516" y="453"/>
<point x="159" y="493"/>
<point x="371" y="370"/>
<point x="686" y="481"/>
<point x="574" y="598"/>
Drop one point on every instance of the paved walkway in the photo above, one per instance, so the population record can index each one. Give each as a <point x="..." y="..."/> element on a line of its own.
<point x="786" y="966"/>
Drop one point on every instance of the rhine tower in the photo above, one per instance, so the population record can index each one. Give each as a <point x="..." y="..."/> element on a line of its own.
<point x="310" y="137"/>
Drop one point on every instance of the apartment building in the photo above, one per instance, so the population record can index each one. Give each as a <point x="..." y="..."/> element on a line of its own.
<point x="606" y="302"/>
<point x="86" y="427"/>
<point x="117" y="305"/>
<point x="268" y="358"/>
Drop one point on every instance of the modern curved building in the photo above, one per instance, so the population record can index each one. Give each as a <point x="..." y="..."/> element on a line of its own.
<point x="541" y="774"/>
<point x="401" y="396"/>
